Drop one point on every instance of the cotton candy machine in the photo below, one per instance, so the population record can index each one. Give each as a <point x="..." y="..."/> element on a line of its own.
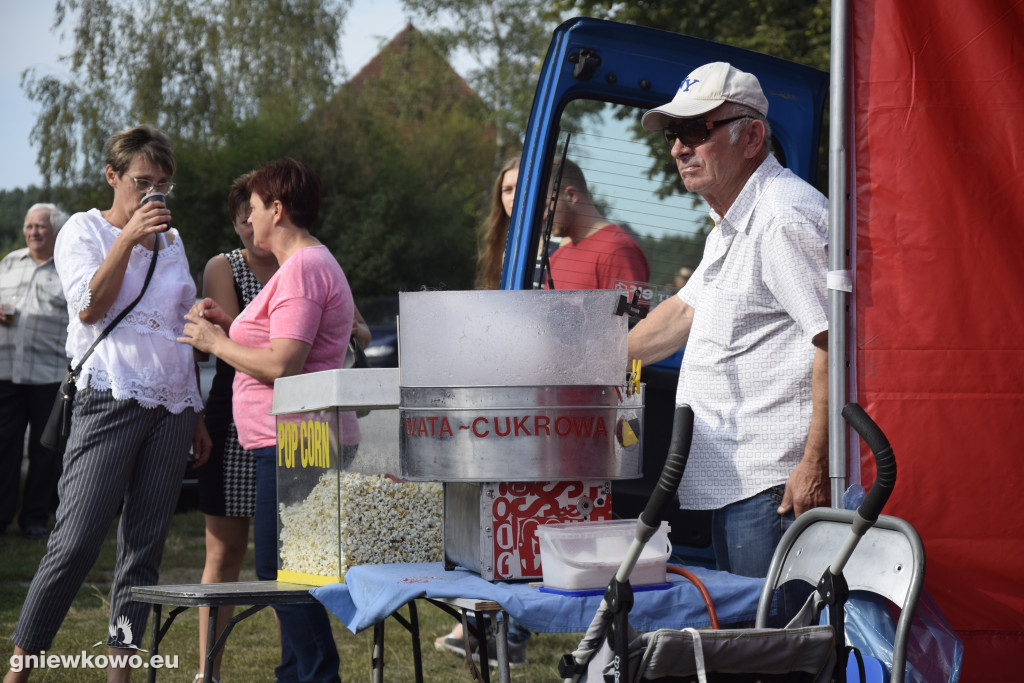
<point x="518" y="403"/>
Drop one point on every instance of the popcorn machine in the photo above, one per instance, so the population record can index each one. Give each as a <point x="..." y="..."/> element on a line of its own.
<point x="337" y="442"/>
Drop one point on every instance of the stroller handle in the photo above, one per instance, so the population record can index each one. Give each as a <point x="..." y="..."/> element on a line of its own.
<point x="885" y="461"/>
<point x="678" y="452"/>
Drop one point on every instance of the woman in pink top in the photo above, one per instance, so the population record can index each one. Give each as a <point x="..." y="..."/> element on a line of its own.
<point x="300" y="322"/>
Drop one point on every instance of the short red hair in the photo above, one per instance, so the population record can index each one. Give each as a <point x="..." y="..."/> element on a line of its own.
<point x="292" y="183"/>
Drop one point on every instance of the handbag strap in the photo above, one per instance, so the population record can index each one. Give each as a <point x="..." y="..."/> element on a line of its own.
<point x="120" y="316"/>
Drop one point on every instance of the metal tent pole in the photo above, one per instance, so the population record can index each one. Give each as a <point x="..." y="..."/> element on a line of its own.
<point x="840" y="280"/>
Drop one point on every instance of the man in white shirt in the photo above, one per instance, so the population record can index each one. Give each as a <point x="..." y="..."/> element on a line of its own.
<point x="753" y="319"/>
<point x="33" y="329"/>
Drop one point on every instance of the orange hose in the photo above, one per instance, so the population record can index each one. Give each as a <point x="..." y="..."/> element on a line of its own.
<point x="692" y="578"/>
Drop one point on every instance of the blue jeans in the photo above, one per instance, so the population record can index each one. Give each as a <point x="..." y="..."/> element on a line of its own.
<point x="744" y="535"/>
<point x="308" y="652"/>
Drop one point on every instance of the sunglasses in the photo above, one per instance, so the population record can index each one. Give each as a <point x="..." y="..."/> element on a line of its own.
<point x="694" y="131"/>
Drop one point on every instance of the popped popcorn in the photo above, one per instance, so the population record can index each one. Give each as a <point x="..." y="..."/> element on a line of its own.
<point x="378" y="521"/>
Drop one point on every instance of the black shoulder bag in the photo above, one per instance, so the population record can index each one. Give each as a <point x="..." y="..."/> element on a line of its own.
<point x="58" y="426"/>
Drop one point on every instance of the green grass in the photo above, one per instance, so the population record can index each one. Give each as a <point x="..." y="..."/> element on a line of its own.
<point x="252" y="649"/>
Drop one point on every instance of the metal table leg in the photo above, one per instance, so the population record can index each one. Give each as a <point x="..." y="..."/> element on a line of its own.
<point x="159" y="631"/>
<point x="377" y="657"/>
<point x="412" y="625"/>
<point x="212" y="648"/>
<point x="482" y="627"/>
<point x="417" y="655"/>
<point x="502" y="648"/>
<point x="211" y="641"/>
<point x="154" y="642"/>
<point x="479" y="631"/>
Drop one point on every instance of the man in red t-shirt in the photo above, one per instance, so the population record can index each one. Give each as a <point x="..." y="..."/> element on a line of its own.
<point x="595" y="254"/>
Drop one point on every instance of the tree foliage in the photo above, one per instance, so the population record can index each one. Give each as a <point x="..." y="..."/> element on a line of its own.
<point x="404" y="157"/>
<point x="673" y="251"/>
<point x="409" y="152"/>
<point x="199" y="204"/>
<point x="507" y="39"/>
<point x="797" y="30"/>
<point x="190" y="68"/>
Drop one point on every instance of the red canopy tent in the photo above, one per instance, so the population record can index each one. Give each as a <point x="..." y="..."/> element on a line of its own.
<point x="937" y="128"/>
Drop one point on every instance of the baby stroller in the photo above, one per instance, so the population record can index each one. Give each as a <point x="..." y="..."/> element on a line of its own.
<point x="890" y="562"/>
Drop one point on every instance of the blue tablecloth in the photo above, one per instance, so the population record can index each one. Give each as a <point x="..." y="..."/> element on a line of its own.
<point x="372" y="592"/>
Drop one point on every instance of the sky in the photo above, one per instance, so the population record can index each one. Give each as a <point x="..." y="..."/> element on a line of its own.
<point x="26" y="41"/>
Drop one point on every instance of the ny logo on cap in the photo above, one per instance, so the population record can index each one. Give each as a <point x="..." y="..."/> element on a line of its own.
<point x="687" y="83"/>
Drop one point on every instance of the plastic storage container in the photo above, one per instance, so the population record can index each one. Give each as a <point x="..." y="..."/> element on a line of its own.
<point x="585" y="555"/>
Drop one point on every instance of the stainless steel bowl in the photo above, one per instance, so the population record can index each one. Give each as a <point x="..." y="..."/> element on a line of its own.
<point x="527" y="433"/>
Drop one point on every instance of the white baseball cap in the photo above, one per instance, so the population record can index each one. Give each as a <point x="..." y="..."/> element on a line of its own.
<point x="704" y="89"/>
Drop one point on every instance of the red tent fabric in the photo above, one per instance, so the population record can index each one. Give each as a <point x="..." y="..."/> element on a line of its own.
<point x="938" y="130"/>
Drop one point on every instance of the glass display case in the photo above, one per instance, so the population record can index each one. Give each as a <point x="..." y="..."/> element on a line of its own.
<point x="340" y="502"/>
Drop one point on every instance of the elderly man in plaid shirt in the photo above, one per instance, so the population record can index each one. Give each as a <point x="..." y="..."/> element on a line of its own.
<point x="33" y="331"/>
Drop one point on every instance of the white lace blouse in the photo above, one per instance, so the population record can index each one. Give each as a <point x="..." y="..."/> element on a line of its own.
<point x="141" y="358"/>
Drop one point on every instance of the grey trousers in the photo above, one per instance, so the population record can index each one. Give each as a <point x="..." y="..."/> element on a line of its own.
<point x="117" y="452"/>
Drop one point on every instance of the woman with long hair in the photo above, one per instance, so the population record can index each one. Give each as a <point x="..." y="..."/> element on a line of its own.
<point x="495" y="230"/>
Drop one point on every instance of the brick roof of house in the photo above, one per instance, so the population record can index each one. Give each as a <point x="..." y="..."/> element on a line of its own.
<point x="402" y="41"/>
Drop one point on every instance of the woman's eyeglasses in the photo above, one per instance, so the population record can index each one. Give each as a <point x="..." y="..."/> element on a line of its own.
<point x="694" y="131"/>
<point x="143" y="186"/>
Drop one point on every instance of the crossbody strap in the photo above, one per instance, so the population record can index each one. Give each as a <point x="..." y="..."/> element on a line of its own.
<point x="122" y="314"/>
